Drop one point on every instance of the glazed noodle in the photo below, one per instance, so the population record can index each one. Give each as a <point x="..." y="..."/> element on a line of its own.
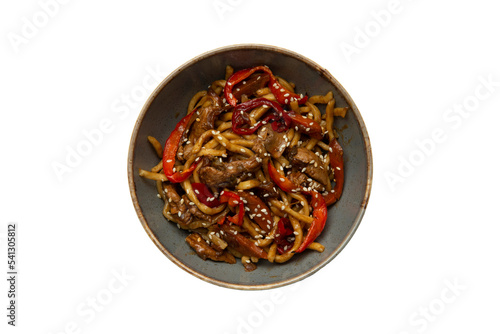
<point x="251" y="169"/>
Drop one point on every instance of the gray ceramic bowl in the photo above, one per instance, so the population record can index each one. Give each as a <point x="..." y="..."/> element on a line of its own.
<point x="165" y="108"/>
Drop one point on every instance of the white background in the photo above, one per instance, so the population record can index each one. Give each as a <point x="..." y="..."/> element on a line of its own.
<point x="425" y="257"/>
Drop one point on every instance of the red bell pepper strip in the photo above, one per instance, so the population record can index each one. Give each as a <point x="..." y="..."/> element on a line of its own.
<point x="319" y="220"/>
<point x="337" y="165"/>
<point x="204" y="195"/>
<point x="258" y="210"/>
<point x="283" y="95"/>
<point x="233" y="199"/>
<point x="306" y="125"/>
<point x="282" y="182"/>
<point x="282" y="238"/>
<point x="317" y="202"/>
<point x="170" y="152"/>
<point x="281" y="119"/>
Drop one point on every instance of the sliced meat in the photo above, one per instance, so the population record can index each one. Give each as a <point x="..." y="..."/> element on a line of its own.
<point x="250" y="85"/>
<point x="303" y="158"/>
<point x="240" y="243"/>
<point x="203" y="249"/>
<point x="301" y="179"/>
<point x="249" y="266"/>
<point x="227" y="174"/>
<point x="179" y="207"/>
<point x="274" y="142"/>
<point x="195" y="211"/>
<point x="180" y="204"/>
<point x="267" y="189"/>
<point x="259" y="212"/>
<point x="204" y="121"/>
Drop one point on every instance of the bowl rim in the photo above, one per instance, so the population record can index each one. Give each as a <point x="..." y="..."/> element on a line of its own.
<point x="353" y="109"/>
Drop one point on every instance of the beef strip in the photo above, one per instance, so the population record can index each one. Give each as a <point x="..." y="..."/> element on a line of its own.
<point x="274" y="142"/>
<point x="301" y="157"/>
<point x="226" y="174"/>
<point x="203" y="120"/>
<point x="267" y="189"/>
<point x="203" y="249"/>
<point x="180" y="204"/>
<point x="177" y="205"/>
<point x="301" y="179"/>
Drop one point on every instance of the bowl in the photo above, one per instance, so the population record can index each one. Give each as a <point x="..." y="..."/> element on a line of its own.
<point x="166" y="106"/>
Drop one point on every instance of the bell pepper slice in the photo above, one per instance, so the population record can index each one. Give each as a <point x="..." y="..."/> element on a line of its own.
<point x="319" y="219"/>
<point x="204" y="195"/>
<point x="258" y="210"/>
<point x="280" y="180"/>
<point x="170" y="152"/>
<point x="337" y="165"/>
<point x="306" y="125"/>
<point x="233" y="199"/>
<point x="283" y="95"/>
<point x="281" y="119"/>
<point x="282" y="237"/>
<point x="317" y="202"/>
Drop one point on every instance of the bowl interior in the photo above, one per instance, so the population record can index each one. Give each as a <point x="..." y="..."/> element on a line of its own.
<point x="169" y="103"/>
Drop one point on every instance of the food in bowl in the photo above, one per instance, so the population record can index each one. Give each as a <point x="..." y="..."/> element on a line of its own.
<point x="251" y="168"/>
